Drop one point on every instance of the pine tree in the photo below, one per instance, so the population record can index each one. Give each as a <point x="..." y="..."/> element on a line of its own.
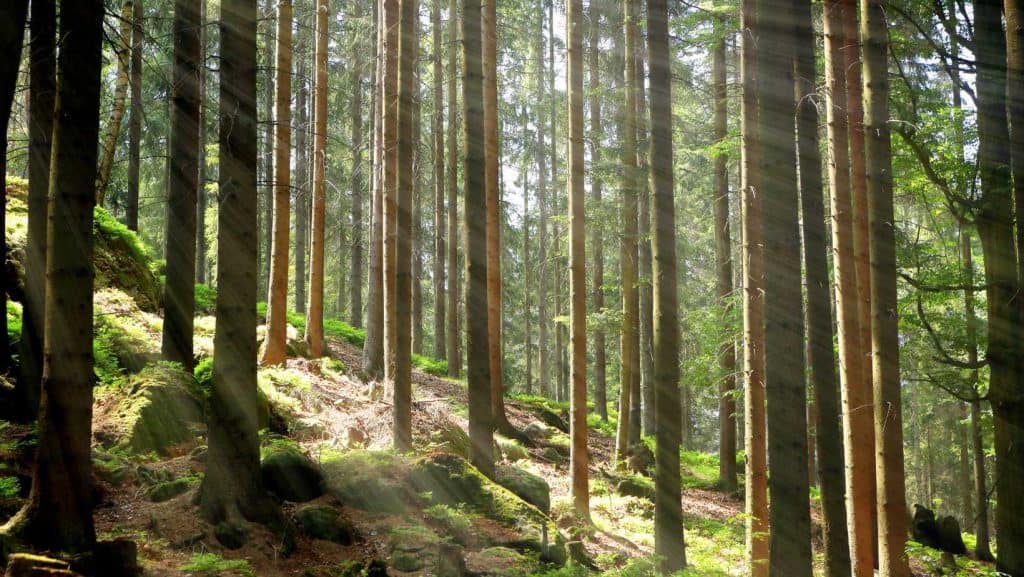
<point x="596" y="193"/>
<point x="135" y="112"/>
<point x="315" y="309"/>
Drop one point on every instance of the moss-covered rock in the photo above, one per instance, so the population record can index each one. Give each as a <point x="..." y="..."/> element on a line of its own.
<point x="511" y="449"/>
<point x="501" y="562"/>
<point x="368" y="480"/>
<point x="290" y="475"/>
<point x="451" y="438"/>
<point x="323" y="522"/>
<point x="450" y="480"/>
<point x="529" y="487"/>
<point x="126" y="336"/>
<point x="121" y="261"/>
<point x="166" y="491"/>
<point x="154" y="412"/>
<point x="635" y="486"/>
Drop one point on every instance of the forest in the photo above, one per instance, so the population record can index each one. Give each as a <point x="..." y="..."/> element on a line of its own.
<point x="529" y="288"/>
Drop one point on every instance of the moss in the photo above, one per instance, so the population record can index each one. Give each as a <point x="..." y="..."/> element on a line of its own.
<point x="438" y="368"/>
<point x="153" y="412"/>
<point x="368" y="480"/>
<point x="122" y="261"/>
<point x="206" y="299"/>
<point x="511" y="449"/>
<point x="450" y="480"/>
<point x="210" y="564"/>
<point x="124" y="332"/>
<point x="503" y="562"/>
<point x="166" y="491"/>
<point x="455" y="522"/>
<point x="529" y="487"/>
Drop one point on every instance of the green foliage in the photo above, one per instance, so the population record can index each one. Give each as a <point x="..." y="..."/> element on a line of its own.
<point x="932" y="562"/>
<point x="206" y="299"/>
<point x="204" y="374"/>
<point x="108" y="369"/>
<point x="345" y="332"/>
<point x="104" y="223"/>
<point x="13" y="321"/>
<point x="438" y="368"/>
<point x="9" y="487"/>
<point x="211" y="564"/>
<point x="454" y="521"/>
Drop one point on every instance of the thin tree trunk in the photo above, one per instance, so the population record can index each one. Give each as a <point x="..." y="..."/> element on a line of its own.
<point x="123" y="50"/>
<point x="42" y="93"/>
<point x="596" y="184"/>
<point x="275" y="345"/>
<point x="892" y="504"/>
<point x="668" y="514"/>
<point x="527" y="267"/>
<point x="315" y="309"/>
<point x="58" y="513"/>
<point x="723" y="268"/>
<point x="644" y="289"/>
<point x="454" y="339"/>
<point x="417" y="219"/>
<point x="202" y="199"/>
<point x="373" y="347"/>
<point x="264" y="178"/>
<point x="135" y="114"/>
<point x="474" y="221"/>
<point x="542" y="232"/>
<point x="356" y="257"/>
<point x="437" y="131"/>
<point x="756" y="469"/>
<point x="820" y="353"/>
<point x="630" y="344"/>
<point x="302" y="187"/>
<point x="390" y="56"/>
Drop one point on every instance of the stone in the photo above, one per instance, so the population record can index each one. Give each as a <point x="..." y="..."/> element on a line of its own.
<point x="633" y="487"/>
<point x="166" y="491"/>
<point x="291" y="476"/>
<point x="529" y="487"/>
<point x="326" y="523"/>
<point x="231" y="535"/>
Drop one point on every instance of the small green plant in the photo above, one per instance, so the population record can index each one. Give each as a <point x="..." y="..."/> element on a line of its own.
<point x="454" y="521"/>
<point x="345" y="332"/>
<point x="9" y="487"/>
<point x="206" y="299"/>
<point x="430" y="366"/>
<point x="108" y="369"/>
<point x="204" y="373"/>
<point x="211" y="564"/>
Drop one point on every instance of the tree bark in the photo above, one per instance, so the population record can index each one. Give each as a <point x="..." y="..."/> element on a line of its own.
<point x="302" y="166"/>
<point x="202" y="198"/>
<point x="475" y="230"/>
<point x="596" y="192"/>
<point x="373" y="347"/>
<point x="42" y="93"/>
<point x="58" y="513"/>
<point x="756" y="477"/>
<point x="644" y="289"/>
<point x="120" y="95"/>
<point x="543" y="368"/>
<point x="135" y="113"/>
<point x="437" y="130"/>
<point x="315" y="309"/>
<point x="820" y="356"/>
<point x="275" y="345"/>
<point x="454" y="338"/>
<point x="390" y="56"/>
<point x="356" y="257"/>
<point x="723" y="269"/>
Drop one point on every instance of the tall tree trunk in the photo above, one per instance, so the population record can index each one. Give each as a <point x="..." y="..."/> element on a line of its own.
<point x="123" y="50"/>
<point x="275" y="345"/>
<point x="356" y="257"/>
<point x="856" y="423"/>
<point x="982" y="550"/>
<point x="402" y="300"/>
<point x="264" y="120"/>
<point x="232" y="485"/>
<point x="723" y="269"/>
<point x="1014" y="12"/>
<point x="390" y="56"/>
<point x="630" y="344"/>
<point x="892" y="504"/>
<point x="454" y="338"/>
<point x="475" y="245"/>
<point x="373" y="347"/>
<point x="596" y="184"/>
<point x="820" y="354"/>
<point x="644" y="289"/>
<point x="528" y="265"/>
<point x="579" y="459"/>
<point x="668" y="514"/>
<point x="58" y="513"/>
<point x="42" y="93"/>
<point x="315" y="309"/>
<point x="202" y="198"/>
<point x="417" y="220"/>
<point x="786" y="391"/>
<point x="995" y="228"/>
<point x="493" y="219"/>
<point x="302" y="171"/>
<point x="542" y="233"/>
<point x="437" y="131"/>
<point x="135" y="113"/>
<point x="756" y="477"/>
<point x="180" y="247"/>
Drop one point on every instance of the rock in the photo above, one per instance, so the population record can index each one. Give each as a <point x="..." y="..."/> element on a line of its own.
<point x="634" y="487"/>
<point x="323" y="522"/>
<point x="511" y="449"/>
<point x="367" y="480"/>
<point x="411" y="547"/>
<point x="27" y="565"/>
<point x="116" y="558"/>
<point x="501" y="562"/>
<point x="291" y="476"/>
<point x="529" y="487"/>
<point x="451" y="438"/>
<point x="553" y="419"/>
<point x="297" y="348"/>
<point x="120" y="260"/>
<point x="407" y="562"/>
<point x="356" y="438"/>
<point x="450" y="561"/>
<point x="231" y="535"/>
<point x="376" y="568"/>
<point x="451" y="480"/>
<point x="537" y="430"/>
<point x="160" y="411"/>
<point x="553" y="455"/>
<point x="169" y="490"/>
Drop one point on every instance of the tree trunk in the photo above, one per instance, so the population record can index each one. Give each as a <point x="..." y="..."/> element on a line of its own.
<point x="630" y="344"/>
<point x="597" y="234"/>
<point x="892" y="504"/>
<point x="1014" y="12"/>
<point x="275" y="345"/>
<point x="180" y="247"/>
<point x="202" y="199"/>
<point x="42" y="93"/>
<point x="58" y="513"/>
<point x="668" y="514"/>
<point x="756" y="477"/>
<point x="474" y="220"/>
<point x="542" y="233"/>
<point x="454" y="339"/>
<point x="528" y="265"/>
<point x="995" y="228"/>
<point x="390" y="56"/>
<point x="402" y="300"/>
<point x="786" y="391"/>
<point x="723" y="268"/>
<point x="302" y="187"/>
<point x="356" y="258"/>
<point x="123" y="50"/>
<point x="437" y="130"/>
<point x="820" y="354"/>
<point x="135" y="114"/>
<point x="646" y="366"/>
<point x="315" y="309"/>
<point x="264" y="120"/>
<point x="373" y="347"/>
<point x="417" y="219"/>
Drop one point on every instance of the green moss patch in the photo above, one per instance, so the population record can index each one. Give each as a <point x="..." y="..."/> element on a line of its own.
<point x="368" y="480"/>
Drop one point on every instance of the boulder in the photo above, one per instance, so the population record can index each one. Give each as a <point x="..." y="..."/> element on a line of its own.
<point x="290" y="475"/>
<point x="412" y="547"/>
<point x="451" y="438"/>
<point x="529" y="487"/>
<point x="323" y="522"/>
<point x="501" y="562"/>
<point x="166" y="491"/>
<point x="635" y="487"/>
<point x="537" y="430"/>
<point x="367" y="480"/>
